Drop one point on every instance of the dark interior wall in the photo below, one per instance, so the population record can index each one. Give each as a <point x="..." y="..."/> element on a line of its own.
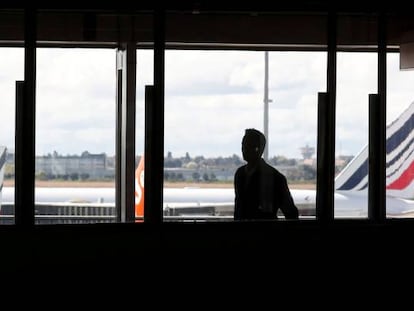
<point x="274" y="30"/>
<point x="300" y="247"/>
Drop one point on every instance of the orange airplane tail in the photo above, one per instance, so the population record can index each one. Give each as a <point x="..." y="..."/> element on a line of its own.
<point x="139" y="189"/>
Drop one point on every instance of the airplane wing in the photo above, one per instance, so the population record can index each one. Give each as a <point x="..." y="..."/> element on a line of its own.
<point x="355" y="203"/>
<point x="195" y="202"/>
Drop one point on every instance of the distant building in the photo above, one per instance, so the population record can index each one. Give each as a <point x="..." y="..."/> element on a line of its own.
<point x="88" y="165"/>
<point x="309" y="162"/>
<point x="187" y="174"/>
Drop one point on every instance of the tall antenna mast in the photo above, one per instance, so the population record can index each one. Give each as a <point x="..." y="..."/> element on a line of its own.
<point x="266" y="106"/>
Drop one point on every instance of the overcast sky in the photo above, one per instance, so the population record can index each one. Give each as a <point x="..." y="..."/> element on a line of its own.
<point x="210" y="98"/>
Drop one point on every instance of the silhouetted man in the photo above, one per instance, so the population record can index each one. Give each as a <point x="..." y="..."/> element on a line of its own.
<point x="260" y="189"/>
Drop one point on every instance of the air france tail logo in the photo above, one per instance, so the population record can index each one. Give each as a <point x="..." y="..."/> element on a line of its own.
<point x="399" y="160"/>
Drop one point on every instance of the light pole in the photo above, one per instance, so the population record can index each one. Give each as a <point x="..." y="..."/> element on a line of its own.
<point x="266" y="101"/>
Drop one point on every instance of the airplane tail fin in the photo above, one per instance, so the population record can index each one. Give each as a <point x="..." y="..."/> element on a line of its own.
<point x="400" y="155"/>
<point x="139" y="189"/>
<point x="399" y="161"/>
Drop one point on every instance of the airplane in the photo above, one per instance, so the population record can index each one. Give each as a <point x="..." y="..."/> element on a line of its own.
<point x="351" y="184"/>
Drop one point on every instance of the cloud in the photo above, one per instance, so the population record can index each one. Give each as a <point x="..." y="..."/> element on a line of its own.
<point x="210" y="98"/>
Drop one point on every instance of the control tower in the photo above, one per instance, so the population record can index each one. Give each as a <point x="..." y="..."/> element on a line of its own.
<point x="307" y="152"/>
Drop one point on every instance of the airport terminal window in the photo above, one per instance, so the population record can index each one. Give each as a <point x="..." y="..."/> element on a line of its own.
<point x="11" y="68"/>
<point x="211" y="97"/>
<point x="145" y="76"/>
<point x="356" y="78"/>
<point x="399" y="157"/>
<point x="75" y="136"/>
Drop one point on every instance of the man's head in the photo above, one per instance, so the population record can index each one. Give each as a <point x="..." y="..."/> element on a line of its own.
<point x="253" y="145"/>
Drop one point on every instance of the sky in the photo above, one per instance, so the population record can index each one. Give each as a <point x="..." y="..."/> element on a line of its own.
<point x="210" y="98"/>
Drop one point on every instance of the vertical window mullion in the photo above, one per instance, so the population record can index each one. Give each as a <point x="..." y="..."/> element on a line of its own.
<point x="326" y="133"/>
<point x="25" y="128"/>
<point x="377" y="180"/>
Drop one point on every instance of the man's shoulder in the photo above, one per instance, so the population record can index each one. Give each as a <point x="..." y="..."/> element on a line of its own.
<point x="240" y="169"/>
<point x="271" y="169"/>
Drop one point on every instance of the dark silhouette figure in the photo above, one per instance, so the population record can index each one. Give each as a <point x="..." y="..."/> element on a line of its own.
<point x="260" y="189"/>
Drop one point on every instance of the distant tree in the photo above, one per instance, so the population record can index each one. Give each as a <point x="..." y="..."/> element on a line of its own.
<point x="84" y="176"/>
<point x="213" y="177"/>
<point x="309" y="173"/>
<point x="172" y="163"/>
<point x="236" y="160"/>
<point x="180" y="177"/>
<point x="41" y="175"/>
<point x="205" y="177"/>
<point x="291" y="162"/>
<point x="191" y="165"/>
<point x="279" y="160"/>
<point x="166" y="176"/>
<point x="198" y="159"/>
<point x="196" y="176"/>
<point x="219" y="161"/>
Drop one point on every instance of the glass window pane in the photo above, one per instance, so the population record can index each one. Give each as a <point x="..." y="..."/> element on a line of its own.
<point x="356" y="78"/>
<point x="145" y="74"/>
<point x="75" y="136"/>
<point x="11" y="70"/>
<point x="399" y="169"/>
<point x="211" y="97"/>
